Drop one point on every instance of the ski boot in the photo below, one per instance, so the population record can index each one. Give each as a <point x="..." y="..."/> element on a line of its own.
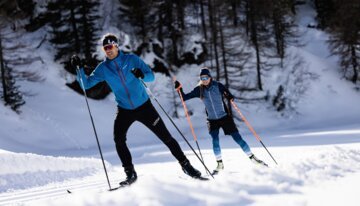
<point x="190" y="170"/>
<point x="131" y="176"/>
<point x="257" y="161"/>
<point x="220" y="166"/>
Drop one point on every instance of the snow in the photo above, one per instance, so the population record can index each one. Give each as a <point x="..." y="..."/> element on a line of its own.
<point x="51" y="148"/>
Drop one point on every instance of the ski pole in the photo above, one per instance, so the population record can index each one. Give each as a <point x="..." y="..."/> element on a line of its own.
<point x="187" y="116"/>
<point x="154" y="98"/>
<point x="251" y="128"/>
<point x="189" y="121"/>
<point x="93" y="125"/>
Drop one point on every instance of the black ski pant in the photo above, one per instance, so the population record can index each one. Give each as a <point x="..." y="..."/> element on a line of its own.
<point x="147" y="115"/>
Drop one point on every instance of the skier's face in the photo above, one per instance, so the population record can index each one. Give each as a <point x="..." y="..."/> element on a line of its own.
<point x="205" y="79"/>
<point x="111" y="51"/>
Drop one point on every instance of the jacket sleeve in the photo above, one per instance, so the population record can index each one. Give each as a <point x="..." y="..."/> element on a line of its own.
<point x="90" y="81"/>
<point x="193" y="94"/>
<point x="225" y="91"/>
<point x="148" y="73"/>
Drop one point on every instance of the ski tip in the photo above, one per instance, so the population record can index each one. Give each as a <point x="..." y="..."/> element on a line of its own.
<point x="68" y="191"/>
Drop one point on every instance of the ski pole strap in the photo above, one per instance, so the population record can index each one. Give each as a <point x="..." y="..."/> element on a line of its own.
<point x="245" y="120"/>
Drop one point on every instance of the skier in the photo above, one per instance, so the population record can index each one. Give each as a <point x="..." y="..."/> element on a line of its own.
<point x="212" y="93"/>
<point x="122" y="72"/>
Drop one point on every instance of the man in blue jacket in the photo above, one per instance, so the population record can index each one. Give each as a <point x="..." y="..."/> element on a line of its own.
<point x="122" y="72"/>
<point x="212" y="93"/>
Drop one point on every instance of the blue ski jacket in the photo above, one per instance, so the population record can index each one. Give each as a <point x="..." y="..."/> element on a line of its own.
<point x="129" y="91"/>
<point x="212" y="96"/>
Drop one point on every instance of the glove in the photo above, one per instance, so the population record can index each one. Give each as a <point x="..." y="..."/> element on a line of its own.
<point x="177" y="85"/>
<point x="75" y="61"/>
<point x="137" y="73"/>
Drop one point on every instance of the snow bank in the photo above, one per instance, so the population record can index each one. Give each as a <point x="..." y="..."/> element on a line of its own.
<point x="20" y="170"/>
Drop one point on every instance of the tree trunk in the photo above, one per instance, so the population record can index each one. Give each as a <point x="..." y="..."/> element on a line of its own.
<point x="74" y="28"/>
<point x="247" y="12"/>
<point x="87" y="49"/>
<point x="203" y="24"/>
<point x="160" y="29"/>
<point x="212" y="16"/>
<point x="254" y="40"/>
<point x="223" y="53"/>
<point x="279" y="33"/>
<point x="180" y="14"/>
<point x="234" y="13"/>
<point x="354" y="64"/>
<point x="3" y="73"/>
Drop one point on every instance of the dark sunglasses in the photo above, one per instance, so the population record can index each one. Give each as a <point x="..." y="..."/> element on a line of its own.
<point x="108" y="47"/>
<point x="204" y="78"/>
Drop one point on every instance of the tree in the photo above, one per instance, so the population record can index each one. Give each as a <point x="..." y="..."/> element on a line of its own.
<point x="259" y="33"/>
<point x="325" y="10"/>
<point x="11" y="93"/>
<point x="284" y="29"/>
<point x="74" y="31"/>
<point x="345" y="37"/>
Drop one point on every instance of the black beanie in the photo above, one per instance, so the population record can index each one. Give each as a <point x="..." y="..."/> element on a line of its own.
<point x="205" y="72"/>
<point x="110" y="39"/>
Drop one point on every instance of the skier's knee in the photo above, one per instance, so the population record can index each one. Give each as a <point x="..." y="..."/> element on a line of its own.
<point x="120" y="140"/>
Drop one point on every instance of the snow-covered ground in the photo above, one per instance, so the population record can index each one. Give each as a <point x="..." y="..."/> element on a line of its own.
<point x="50" y="148"/>
<point x="306" y="175"/>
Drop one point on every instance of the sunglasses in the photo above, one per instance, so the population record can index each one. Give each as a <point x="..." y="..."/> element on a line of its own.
<point x="204" y="78"/>
<point x="108" y="47"/>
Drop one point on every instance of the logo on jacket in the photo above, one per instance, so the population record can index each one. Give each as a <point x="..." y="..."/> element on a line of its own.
<point x="156" y="121"/>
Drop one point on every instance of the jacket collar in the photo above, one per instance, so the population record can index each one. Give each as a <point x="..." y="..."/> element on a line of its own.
<point x="119" y="56"/>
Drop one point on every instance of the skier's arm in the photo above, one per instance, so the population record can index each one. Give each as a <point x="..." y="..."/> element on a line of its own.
<point x="90" y="81"/>
<point x="194" y="93"/>
<point x="148" y="73"/>
<point x="225" y="91"/>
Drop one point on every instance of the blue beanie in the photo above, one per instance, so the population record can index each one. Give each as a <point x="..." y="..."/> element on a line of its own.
<point x="205" y="72"/>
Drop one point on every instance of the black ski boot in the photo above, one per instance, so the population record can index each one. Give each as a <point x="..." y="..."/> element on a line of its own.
<point x="190" y="170"/>
<point x="257" y="161"/>
<point x="131" y="176"/>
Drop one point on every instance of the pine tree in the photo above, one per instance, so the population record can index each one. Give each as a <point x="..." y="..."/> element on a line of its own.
<point x="345" y="37"/>
<point x="138" y="14"/>
<point x="11" y="94"/>
<point x="284" y="30"/>
<point x="74" y="31"/>
<point x="325" y="10"/>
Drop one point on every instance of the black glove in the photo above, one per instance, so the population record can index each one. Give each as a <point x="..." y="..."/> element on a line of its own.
<point x="177" y="85"/>
<point x="75" y="61"/>
<point x="137" y="73"/>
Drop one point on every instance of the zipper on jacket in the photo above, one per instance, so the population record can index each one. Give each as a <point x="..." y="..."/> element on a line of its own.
<point x="122" y="78"/>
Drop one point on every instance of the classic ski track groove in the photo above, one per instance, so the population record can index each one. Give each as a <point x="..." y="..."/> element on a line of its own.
<point x="56" y="191"/>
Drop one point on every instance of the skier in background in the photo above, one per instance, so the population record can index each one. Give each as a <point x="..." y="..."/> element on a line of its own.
<point x="122" y="72"/>
<point x="212" y="93"/>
